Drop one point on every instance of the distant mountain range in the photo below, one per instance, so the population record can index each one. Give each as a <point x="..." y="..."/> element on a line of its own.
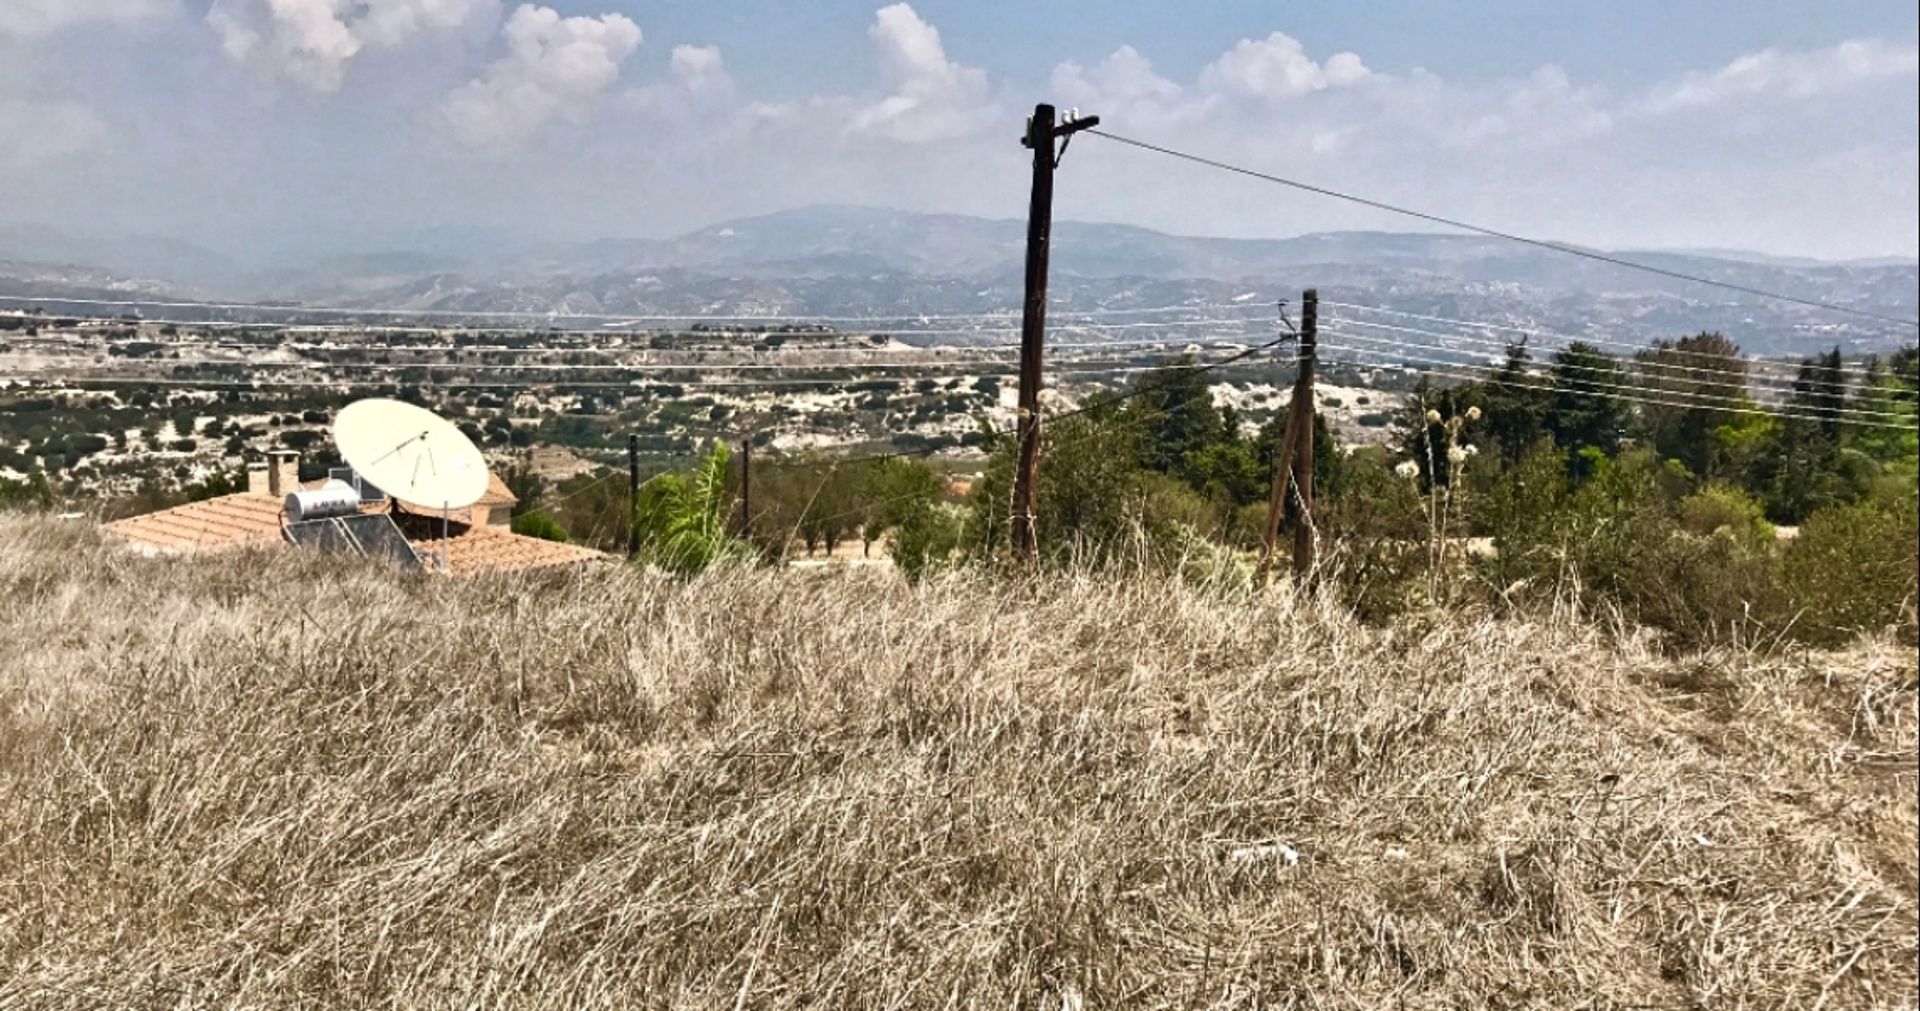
<point x="852" y="261"/>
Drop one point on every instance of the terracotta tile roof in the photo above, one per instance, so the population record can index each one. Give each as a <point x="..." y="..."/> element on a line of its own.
<point x="231" y="521"/>
<point x="491" y="549"/>
<point x="225" y="522"/>
<point x="498" y="493"/>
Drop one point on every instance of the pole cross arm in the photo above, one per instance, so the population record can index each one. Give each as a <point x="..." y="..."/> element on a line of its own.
<point x="1066" y="129"/>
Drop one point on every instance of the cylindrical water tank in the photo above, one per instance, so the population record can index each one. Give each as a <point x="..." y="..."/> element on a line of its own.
<point x="335" y="498"/>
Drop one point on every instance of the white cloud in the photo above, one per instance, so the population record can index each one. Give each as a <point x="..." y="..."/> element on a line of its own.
<point x="1542" y="109"/>
<point x="554" y="69"/>
<point x="700" y="68"/>
<point x="43" y="17"/>
<point x="1124" y="76"/>
<point x="1789" y="74"/>
<point x="697" y="88"/>
<point x="1278" y="67"/>
<point x="310" y="42"/>
<point x="44" y="130"/>
<point x="913" y="125"/>
<point x="933" y="98"/>
<point x="390" y="22"/>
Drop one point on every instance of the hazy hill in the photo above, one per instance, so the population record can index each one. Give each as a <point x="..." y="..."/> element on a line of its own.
<point x="837" y="260"/>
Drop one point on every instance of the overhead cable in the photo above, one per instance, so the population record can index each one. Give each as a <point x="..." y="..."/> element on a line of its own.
<point x="1508" y="236"/>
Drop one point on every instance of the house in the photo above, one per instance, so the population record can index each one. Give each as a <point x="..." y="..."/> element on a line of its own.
<point x="495" y="508"/>
<point x="470" y="540"/>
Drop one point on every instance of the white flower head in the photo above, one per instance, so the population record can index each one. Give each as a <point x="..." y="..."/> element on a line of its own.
<point x="1456" y="454"/>
<point x="1470" y="449"/>
<point x="1407" y="469"/>
<point x="1433" y="417"/>
<point x="1473" y="414"/>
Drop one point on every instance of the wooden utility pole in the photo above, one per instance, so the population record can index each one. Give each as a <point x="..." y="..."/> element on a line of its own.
<point x="633" y="494"/>
<point x="1303" y="545"/>
<point x="1296" y="447"/>
<point x="746" y="487"/>
<point x="1041" y="134"/>
<point x="1277" y="496"/>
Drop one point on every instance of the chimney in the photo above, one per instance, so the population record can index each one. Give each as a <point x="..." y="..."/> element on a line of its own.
<point x="257" y="480"/>
<point x="283" y="472"/>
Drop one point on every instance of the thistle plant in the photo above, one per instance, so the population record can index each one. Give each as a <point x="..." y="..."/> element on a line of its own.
<point x="1440" y="496"/>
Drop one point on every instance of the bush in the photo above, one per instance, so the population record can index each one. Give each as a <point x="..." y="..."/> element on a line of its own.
<point x="1725" y="511"/>
<point x="534" y="523"/>
<point x="1694" y="567"/>
<point x="1852" y="569"/>
<point x="925" y="537"/>
<point x="1375" y="534"/>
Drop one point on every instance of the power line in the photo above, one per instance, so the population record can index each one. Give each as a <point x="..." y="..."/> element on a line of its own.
<point x="1195" y="369"/>
<point x="1540" y="332"/>
<point x="428" y="369"/>
<point x="1190" y="324"/>
<point x="655" y="367"/>
<point x="994" y="316"/>
<point x="318" y="384"/>
<point x="1709" y="400"/>
<point x="1509" y="236"/>
<point x="1484" y="373"/>
<point x="1705" y="399"/>
<point x="838" y="462"/>
<point x="1137" y="391"/>
<point x="427" y="377"/>
<point x="1780" y="383"/>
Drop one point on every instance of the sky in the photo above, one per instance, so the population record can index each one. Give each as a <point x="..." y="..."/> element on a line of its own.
<point x="300" y="127"/>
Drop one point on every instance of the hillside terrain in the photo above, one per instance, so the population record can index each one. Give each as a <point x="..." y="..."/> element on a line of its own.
<point x="862" y="261"/>
<point x="262" y="781"/>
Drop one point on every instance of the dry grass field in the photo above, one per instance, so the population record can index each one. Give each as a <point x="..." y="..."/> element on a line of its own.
<point x="260" y="782"/>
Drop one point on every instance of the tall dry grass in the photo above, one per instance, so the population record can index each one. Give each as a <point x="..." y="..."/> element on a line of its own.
<point x="258" y="781"/>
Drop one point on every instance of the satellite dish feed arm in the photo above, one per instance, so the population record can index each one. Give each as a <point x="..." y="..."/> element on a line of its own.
<point x="404" y="444"/>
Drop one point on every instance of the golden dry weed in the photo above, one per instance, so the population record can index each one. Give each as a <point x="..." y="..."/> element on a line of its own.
<point x="263" y="781"/>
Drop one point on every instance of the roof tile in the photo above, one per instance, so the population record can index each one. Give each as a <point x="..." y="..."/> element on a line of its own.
<point x="490" y="549"/>
<point x="228" y="521"/>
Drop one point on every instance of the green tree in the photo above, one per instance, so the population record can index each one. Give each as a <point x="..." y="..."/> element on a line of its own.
<point x="528" y="488"/>
<point x="1889" y="396"/>
<point x="926" y="533"/>
<point x="1820" y="390"/>
<point x="680" y="521"/>
<point x="1808" y="468"/>
<point x="1702" y="382"/>
<point x="1515" y="406"/>
<point x="1172" y="406"/>
<point x="1587" y="411"/>
<point x="1094" y="503"/>
<point x="894" y="491"/>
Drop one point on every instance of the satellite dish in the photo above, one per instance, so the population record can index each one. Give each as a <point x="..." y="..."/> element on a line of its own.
<point x="412" y="453"/>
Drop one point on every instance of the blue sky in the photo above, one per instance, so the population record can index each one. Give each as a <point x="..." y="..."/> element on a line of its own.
<point x="298" y="126"/>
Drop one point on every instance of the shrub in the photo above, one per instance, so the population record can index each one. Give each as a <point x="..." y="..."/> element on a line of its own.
<point x="535" y="523"/>
<point x="1693" y="567"/>
<point x="925" y="537"/>
<point x="1375" y="533"/>
<point x="1725" y="511"/>
<point x="1852" y="569"/>
<point x="681" y="519"/>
